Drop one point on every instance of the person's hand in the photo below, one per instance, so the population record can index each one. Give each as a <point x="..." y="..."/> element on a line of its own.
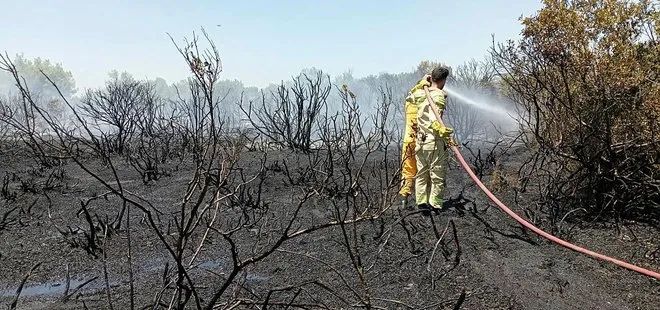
<point x="436" y="126"/>
<point x="451" y="141"/>
<point x="448" y="131"/>
<point x="441" y="130"/>
<point x="427" y="79"/>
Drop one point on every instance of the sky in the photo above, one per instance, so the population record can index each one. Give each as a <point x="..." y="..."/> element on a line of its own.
<point x="260" y="42"/>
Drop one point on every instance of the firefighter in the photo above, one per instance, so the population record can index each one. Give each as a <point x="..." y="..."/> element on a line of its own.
<point x="431" y="144"/>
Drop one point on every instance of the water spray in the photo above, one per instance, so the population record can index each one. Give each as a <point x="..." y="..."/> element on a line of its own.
<point x="480" y="105"/>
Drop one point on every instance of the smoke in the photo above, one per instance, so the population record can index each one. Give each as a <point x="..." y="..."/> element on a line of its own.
<point x="478" y="109"/>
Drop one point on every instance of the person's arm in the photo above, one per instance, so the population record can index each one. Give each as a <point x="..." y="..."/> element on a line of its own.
<point x="425" y="81"/>
<point x="440" y="100"/>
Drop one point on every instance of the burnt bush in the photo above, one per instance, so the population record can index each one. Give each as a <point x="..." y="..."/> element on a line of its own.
<point x="115" y="110"/>
<point x="156" y="141"/>
<point x="290" y="118"/>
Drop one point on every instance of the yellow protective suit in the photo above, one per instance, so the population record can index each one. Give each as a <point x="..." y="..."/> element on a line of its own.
<point x="431" y="150"/>
<point x="408" y="162"/>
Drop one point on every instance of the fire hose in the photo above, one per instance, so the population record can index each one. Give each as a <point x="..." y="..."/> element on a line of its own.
<point x="528" y="225"/>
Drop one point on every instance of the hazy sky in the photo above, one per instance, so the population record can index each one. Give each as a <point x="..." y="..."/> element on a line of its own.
<point x="260" y="41"/>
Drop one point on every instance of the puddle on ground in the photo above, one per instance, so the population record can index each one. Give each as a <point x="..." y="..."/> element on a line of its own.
<point x="212" y="264"/>
<point x="56" y="288"/>
<point x="46" y="289"/>
<point x="256" y="277"/>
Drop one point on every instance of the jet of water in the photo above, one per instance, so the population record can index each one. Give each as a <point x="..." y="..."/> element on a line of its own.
<point x="480" y="105"/>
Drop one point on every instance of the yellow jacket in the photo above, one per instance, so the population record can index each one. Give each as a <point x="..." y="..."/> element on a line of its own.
<point x="427" y="132"/>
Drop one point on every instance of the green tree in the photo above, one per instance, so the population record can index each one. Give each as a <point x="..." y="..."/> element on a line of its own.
<point x="41" y="89"/>
<point x="426" y="66"/>
<point x="122" y="76"/>
<point x="585" y="74"/>
<point x="30" y="69"/>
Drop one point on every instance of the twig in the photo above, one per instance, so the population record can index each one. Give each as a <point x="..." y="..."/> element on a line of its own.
<point x="130" y="254"/>
<point x="68" y="281"/>
<point x="341" y="277"/>
<point x="428" y="265"/>
<point x="561" y="222"/>
<point x="457" y="259"/>
<point x="460" y="300"/>
<point x="105" y="268"/>
<point x="75" y="290"/>
<point x="20" y="286"/>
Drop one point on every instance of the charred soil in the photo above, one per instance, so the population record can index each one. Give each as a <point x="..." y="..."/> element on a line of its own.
<point x="473" y="256"/>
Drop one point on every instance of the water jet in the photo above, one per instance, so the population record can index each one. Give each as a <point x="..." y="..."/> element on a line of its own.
<point x="481" y="105"/>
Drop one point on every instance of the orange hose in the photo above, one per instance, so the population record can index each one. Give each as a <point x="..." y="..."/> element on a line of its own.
<point x="533" y="228"/>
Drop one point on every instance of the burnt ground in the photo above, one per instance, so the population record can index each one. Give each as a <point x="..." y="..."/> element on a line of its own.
<point x="488" y="256"/>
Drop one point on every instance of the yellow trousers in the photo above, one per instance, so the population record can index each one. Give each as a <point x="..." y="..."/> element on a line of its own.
<point x="408" y="168"/>
<point x="432" y="161"/>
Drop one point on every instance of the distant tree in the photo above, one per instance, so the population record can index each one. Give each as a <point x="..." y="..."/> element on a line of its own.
<point x="41" y="89"/>
<point x="475" y="74"/>
<point x="229" y="94"/>
<point x="426" y="66"/>
<point x="344" y="78"/>
<point x="123" y="76"/>
<point x="29" y="69"/>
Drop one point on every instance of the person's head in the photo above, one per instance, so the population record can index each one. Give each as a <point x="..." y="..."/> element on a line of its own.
<point x="439" y="77"/>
